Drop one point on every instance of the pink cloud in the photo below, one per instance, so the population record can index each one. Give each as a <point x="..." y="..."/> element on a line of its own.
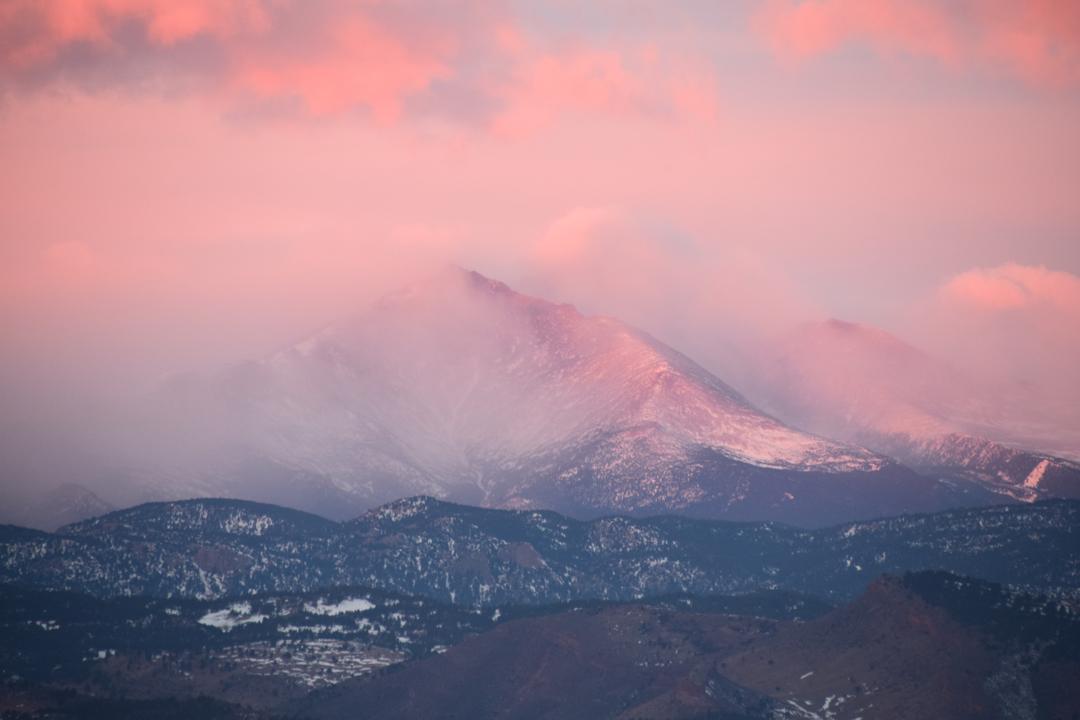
<point x="819" y="26"/>
<point x="1013" y="286"/>
<point x="468" y="60"/>
<point x="362" y="64"/>
<point x="37" y="31"/>
<point x="1035" y="40"/>
<point x="604" y="80"/>
<point x="1012" y="319"/>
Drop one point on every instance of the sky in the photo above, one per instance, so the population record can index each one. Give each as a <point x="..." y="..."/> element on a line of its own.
<point x="187" y="183"/>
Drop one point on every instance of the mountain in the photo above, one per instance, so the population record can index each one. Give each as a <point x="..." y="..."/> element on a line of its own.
<point x="55" y="637"/>
<point x="63" y="505"/>
<point x="262" y="650"/>
<point x="926" y="644"/>
<point x="915" y="647"/>
<point x="865" y="386"/>
<point x="578" y="665"/>
<point x="462" y="389"/>
<point x="483" y="557"/>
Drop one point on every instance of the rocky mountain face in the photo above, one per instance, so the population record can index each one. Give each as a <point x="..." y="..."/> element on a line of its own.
<point x="484" y="557"/>
<point x="1010" y="473"/>
<point x="865" y="386"/>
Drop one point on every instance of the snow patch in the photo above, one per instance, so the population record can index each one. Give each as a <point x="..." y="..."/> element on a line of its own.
<point x="287" y="629"/>
<point x="1033" y="478"/>
<point x="345" y="606"/>
<point x="230" y="617"/>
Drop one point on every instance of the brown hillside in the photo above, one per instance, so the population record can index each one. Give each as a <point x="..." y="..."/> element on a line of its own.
<point x="583" y="664"/>
<point x="888" y="654"/>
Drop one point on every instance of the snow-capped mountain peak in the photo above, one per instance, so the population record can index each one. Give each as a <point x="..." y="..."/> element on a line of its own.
<point x="462" y="389"/>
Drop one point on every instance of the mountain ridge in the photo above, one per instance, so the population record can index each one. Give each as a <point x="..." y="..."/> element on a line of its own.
<point x="487" y="557"/>
<point x="866" y="386"/>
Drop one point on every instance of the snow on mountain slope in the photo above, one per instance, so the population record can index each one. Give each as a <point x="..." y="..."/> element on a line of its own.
<point x="863" y="385"/>
<point x="464" y="390"/>
<point x="486" y="370"/>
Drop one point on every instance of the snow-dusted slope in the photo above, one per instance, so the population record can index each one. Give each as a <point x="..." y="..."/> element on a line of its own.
<point x="866" y="386"/>
<point x="462" y="389"/>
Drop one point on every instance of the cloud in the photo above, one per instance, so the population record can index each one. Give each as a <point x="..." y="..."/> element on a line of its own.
<point x="708" y="301"/>
<point x="1037" y="41"/>
<point x="1011" y="319"/>
<point x="1013" y="287"/>
<point x="466" y="61"/>
<point x="38" y="31"/>
<point x="605" y="80"/>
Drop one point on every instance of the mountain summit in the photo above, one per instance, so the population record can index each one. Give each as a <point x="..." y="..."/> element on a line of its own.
<point x="462" y="389"/>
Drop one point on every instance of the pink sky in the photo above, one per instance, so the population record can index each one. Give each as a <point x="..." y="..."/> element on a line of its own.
<point x="188" y="182"/>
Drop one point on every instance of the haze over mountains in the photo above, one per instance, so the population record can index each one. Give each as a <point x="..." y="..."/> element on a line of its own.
<point x="462" y="389"/>
<point x="865" y="386"/>
<point x="842" y="378"/>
